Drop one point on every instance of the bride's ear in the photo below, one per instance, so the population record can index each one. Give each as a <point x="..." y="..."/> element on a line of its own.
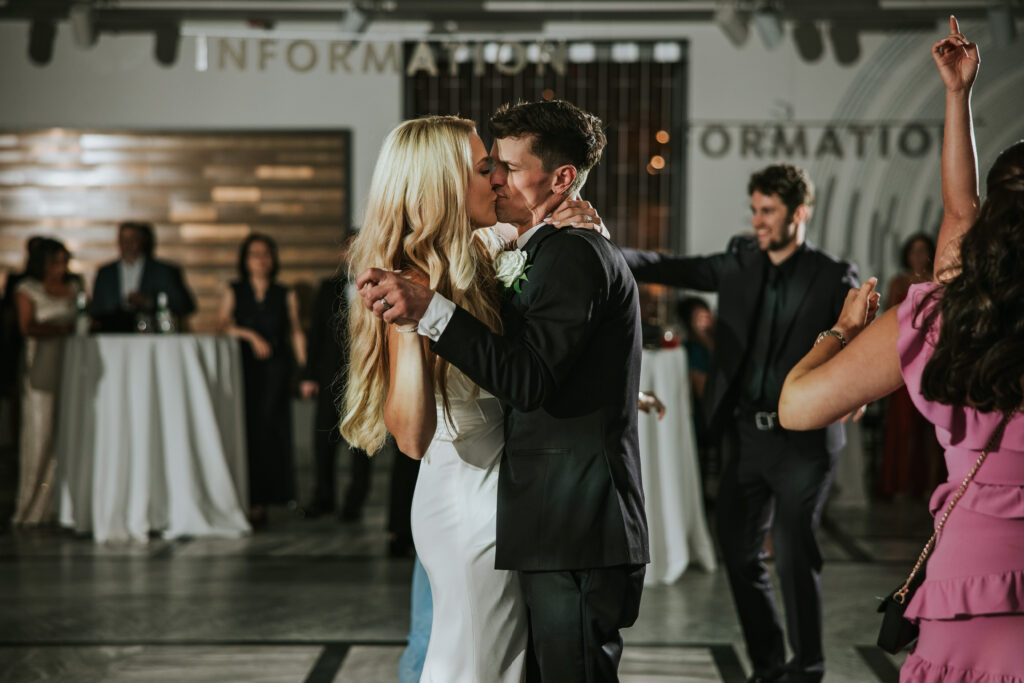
<point x="563" y="179"/>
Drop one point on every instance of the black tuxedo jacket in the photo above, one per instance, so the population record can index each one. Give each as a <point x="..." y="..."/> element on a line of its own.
<point x="568" y="369"/>
<point x="738" y="276"/>
<point x="157" y="276"/>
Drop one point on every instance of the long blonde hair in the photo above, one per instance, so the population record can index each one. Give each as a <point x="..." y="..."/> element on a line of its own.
<point x="417" y="220"/>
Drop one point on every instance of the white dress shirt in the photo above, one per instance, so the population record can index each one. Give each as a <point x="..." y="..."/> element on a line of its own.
<point x="131" y="276"/>
<point x="440" y="310"/>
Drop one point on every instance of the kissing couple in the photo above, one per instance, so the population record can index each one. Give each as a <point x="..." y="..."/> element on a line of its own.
<point x="518" y="392"/>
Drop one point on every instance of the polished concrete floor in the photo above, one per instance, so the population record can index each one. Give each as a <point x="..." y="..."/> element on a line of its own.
<point x="318" y="601"/>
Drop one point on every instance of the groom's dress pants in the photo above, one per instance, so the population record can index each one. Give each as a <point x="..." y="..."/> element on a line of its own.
<point x="575" y="617"/>
<point x="777" y="480"/>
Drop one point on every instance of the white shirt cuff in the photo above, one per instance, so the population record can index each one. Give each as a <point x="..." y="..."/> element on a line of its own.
<point x="436" y="318"/>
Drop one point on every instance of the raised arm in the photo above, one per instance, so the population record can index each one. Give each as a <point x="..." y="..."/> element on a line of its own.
<point x="957" y="61"/>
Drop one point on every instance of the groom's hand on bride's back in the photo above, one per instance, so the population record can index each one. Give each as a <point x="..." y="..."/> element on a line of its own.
<point x="393" y="297"/>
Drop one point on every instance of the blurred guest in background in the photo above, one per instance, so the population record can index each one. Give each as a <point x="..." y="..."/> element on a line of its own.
<point x="699" y="324"/>
<point x="911" y="457"/>
<point x="46" y="307"/>
<point x="324" y="379"/>
<point x="11" y="342"/>
<point x="130" y="286"/>
<point x="265" y="316"/>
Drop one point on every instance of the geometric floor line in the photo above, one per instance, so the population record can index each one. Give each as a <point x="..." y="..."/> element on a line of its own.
<point x="879" y="663"/>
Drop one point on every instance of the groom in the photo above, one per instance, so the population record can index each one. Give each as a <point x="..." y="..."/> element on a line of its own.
<point x="570" y="513"/>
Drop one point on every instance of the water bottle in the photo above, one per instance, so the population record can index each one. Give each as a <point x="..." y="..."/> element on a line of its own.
<point x="142" y="323"/>
<point x="164" y="319"/>
<point x="82" y="316"/>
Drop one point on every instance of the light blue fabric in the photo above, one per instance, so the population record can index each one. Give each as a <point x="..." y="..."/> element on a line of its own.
<point x="410" y="666"/>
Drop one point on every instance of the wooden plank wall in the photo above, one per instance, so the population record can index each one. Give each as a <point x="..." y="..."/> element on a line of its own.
<point x="204" y="192"/>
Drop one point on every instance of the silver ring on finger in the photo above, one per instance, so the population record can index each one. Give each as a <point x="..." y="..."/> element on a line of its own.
<point x="384" y="303"/>
<point x="587" y="219"/>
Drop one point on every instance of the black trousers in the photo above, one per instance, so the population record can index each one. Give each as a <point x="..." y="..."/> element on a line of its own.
<point x="325" y="450"/>
<point x="776" y="480"/>
<point x="575" y="617"/>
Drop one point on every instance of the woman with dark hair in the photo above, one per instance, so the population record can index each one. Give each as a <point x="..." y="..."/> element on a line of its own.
<point x="265" y="316"/>
<point x="911" y="456"/>
<point x="46" y="306"/>
<point x="957" y="343"/>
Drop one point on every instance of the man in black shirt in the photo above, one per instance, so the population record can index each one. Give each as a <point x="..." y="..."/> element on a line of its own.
<point x="776" y="293"/>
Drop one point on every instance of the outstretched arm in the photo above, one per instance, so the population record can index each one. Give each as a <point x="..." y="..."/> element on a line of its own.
<point x="957" y="61"/>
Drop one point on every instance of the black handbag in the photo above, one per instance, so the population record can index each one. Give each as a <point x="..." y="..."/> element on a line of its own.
<point x="897" y="631"/>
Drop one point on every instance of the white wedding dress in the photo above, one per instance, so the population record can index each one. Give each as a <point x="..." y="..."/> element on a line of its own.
<point x="479" y="631"/>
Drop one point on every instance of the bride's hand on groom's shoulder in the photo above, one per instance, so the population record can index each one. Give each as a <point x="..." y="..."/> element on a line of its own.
<point x="577" y="213"/>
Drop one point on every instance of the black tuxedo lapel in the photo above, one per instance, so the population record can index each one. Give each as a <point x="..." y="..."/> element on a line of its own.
<point x="803" y="279"/>
<point x="146" y="281"/>
<point x="520" y="300"/>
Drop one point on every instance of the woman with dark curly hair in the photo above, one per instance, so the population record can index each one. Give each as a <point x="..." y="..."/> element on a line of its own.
<point x="957" y="343"/>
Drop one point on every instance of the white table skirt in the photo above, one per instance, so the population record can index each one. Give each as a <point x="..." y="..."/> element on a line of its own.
<point x="672" y="486"/>
<point x="151" y="437"/>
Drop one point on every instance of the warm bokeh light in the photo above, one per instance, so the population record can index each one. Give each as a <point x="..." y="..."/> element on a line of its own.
<point x="658" y="161"/>
<point x="661" y="136"/>
<point x="548" y="94"/>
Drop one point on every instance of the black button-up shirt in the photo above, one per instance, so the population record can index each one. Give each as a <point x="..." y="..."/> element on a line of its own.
<point x="760" y="385"/>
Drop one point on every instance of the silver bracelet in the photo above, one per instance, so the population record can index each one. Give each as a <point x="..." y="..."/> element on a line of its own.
<point x="407" y="329"/>
<point x="833" y="332"/>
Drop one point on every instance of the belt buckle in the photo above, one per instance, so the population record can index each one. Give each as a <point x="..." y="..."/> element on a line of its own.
<point x="766" y="421"/>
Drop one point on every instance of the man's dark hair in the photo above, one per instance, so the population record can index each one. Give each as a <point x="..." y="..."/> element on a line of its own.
<point x="562" y="133"/>
<point x="792" y="184"/>
<point x="145" y="231"/>
<point x="43" y="252"/>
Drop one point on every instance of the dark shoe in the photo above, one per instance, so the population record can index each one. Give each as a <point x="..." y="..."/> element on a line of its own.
<point x="317" y="510"/>
<point x="350" y="515"/>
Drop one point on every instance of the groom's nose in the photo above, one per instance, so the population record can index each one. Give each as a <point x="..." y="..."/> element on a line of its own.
<point x="498" y="176"/>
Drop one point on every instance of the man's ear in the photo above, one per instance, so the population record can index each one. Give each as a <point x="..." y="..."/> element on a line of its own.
<point x="801" y="214"/>
<point x="563" y="179"/>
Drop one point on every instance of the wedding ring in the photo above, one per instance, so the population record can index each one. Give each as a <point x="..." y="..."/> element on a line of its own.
<point x="587" y="219"/>
<point x="384" y="303"/>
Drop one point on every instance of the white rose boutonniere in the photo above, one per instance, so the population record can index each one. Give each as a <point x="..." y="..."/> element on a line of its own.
<point x="511" y="268"/>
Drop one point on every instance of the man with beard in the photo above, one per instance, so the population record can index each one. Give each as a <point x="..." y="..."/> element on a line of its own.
<point x="776" y="293"/>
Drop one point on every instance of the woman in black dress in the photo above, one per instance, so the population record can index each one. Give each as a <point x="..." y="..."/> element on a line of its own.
<point x="265" y="316"/>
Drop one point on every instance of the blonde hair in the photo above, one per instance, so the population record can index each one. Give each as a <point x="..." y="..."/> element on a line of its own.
<point x="417" y="220"/>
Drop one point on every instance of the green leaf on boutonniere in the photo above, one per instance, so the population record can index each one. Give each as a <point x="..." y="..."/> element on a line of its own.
<point x="518" y="284"/>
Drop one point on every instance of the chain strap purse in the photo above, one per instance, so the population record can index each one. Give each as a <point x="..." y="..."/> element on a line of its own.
<point x="897" y="631"/>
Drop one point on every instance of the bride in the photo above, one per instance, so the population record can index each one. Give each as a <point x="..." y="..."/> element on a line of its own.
<point x="430" y="191"/>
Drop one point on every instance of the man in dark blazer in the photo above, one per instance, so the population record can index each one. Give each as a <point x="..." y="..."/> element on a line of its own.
<point x="570" y="512"/>
<point x="776" y="294"/>
<point x="132" y="283"/>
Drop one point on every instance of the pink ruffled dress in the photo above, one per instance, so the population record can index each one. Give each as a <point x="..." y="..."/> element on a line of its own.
<point x="971" y="606"/>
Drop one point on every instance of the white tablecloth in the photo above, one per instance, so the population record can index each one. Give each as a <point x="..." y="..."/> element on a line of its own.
<point x="151" y="437"/>
<point x="668" y="457"/>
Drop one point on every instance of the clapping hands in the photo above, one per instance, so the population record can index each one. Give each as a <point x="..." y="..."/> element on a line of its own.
<point x="957" y="59"/>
